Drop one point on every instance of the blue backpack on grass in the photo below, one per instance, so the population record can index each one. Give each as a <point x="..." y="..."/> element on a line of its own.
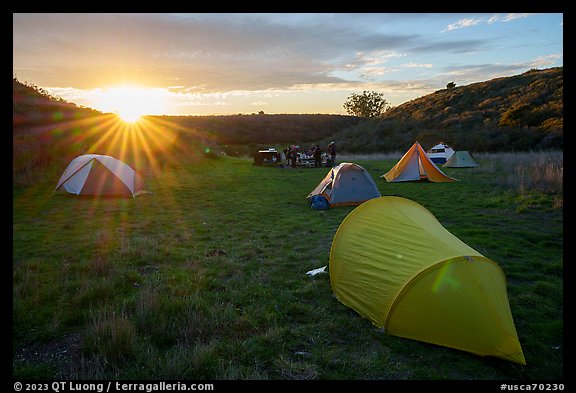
<point x="318" y="202"/>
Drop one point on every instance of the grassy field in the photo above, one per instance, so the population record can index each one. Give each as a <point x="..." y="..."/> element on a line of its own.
<point x="205" y="278"/>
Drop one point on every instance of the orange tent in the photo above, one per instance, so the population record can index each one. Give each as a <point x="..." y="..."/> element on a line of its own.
<point x="415" y="166"/>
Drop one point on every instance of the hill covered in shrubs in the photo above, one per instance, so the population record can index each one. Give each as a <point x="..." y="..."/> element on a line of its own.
<point x="522" y="112"/>
<point x="44" y="126"/>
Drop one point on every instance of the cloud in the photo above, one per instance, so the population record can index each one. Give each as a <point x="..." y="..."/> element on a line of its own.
<point x="450" y="46"/>
<point x="211" y="52"/>
<point x="415" y="65"/>
<point x="469" y="22"/>
<point x="461" y="24"/>
<point x="473" y="73"/>
<point x="545" y="61"/>
<point x="506" y="18"/>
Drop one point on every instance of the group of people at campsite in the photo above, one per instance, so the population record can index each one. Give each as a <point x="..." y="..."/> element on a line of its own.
<point x="295" y="157"/>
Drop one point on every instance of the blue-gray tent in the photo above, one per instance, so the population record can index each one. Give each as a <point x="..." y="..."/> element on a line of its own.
<point x="346" y="184"/>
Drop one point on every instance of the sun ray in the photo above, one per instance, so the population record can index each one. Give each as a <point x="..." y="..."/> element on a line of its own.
<point x="109" y="128"/>
<point x="143" y="140"/>
<point x="130" y="103"/>
<point x="177" y="132"/>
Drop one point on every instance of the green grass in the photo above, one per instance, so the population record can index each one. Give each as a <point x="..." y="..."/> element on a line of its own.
<point x="205" y="278"/>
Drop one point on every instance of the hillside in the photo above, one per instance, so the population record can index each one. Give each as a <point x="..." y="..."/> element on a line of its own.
<point x="44" y="126"/>
<point x="34" y="110"/>
<point x="521" y="112"/>
<point x="484" y="104"/>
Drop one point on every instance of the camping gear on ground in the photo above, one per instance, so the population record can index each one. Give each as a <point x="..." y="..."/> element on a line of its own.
<point x="440" y="153"/>
<point x="319" y="202"/>
<point x="314" y="272"/>
<point x="270" y="156"/>
<point x="394" y="263"/>
<point x="461" y="159"/>
<point x="415" y="166"/>
<point x="347" y="184"/>
<point x="95" y="174"/>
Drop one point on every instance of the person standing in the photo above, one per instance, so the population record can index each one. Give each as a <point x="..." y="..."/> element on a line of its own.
<point x="332" y="152"/>
<point x="294" y="156"/>
<point x="287" y="155"/>
<point x="317" y="157"/>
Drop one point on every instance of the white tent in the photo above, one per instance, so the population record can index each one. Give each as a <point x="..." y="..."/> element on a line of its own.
<point x="440" y="153"/>
<point x="95" y="174"/>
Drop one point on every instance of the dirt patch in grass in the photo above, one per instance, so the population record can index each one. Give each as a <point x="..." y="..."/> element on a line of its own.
<point x="62" y="355"/>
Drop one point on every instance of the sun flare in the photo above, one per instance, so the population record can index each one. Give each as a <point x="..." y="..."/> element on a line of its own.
<point x="129" y="116"/>
<point x="130" y="103"/>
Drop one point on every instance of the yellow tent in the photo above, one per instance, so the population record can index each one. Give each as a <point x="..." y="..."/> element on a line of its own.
<point x="396" y="265"/>
<point x="415" y="165"/>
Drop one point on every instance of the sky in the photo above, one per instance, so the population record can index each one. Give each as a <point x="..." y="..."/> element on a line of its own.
<point x="220" y="64"/>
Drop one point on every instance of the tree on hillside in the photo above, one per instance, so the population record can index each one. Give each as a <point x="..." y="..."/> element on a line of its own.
<point x="367" y="104"/>
<point x="451" y="85"/>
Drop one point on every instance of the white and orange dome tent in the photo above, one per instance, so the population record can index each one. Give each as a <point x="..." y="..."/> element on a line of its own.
<point x="415" y="165"/>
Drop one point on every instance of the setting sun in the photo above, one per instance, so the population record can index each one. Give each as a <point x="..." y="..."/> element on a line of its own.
<point x="130" y="103"/>
<point x="129" y="116"/>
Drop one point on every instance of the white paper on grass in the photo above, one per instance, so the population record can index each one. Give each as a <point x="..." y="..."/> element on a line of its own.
<point x="316" y="271"/>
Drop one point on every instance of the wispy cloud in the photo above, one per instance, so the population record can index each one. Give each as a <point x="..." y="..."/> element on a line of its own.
<point x="472" y="73"/>
<point x="469" y="22"/>
<point x="546" y="61"/>
<point x="415" y="65"/>
<point x="462" y="23"/>
<point x="506" y="18"/>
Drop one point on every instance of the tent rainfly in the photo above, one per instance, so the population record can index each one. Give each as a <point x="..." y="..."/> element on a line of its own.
<point x="415" y="166"/>
<point x="347" y="184"/>
<point x="461" y="159"/>
<point x="440" y="153"/>
<point x="393" y="263"/>
<point x="95" y="174"/>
